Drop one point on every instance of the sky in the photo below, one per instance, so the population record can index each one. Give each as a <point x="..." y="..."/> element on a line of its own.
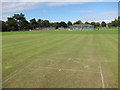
<point x="62" y="11"/>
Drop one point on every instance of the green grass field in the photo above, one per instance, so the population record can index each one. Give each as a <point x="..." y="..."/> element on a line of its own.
<point x="60" y="59"/>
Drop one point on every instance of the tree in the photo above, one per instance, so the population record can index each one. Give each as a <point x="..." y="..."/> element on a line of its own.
<point x="0" y="25"/>
<point x="12" y="24"/>
<point x="19" y="17"/>
<point x="103" y="24"/>
<point x="54" y="24"/>
<point x="87" y="23"/>
<point x="21" y="21"/>
<point x="51" y="24"/>
<point x="62" y="24"/>
<point x="115" y="23"/>
<point x="97" y="24"/>
<point x="4" y="27"/>
<point x="39" y="22"/>
<point x="78" y="22"/>
<point x="69" y="23"/>
<point x="93" y="23"/>
<point x="109" y="24"/>
<point x="46" y="23"/>
<point x="24" y="25"/>
<point x="33" y="23"/>
<point x="119" y="21"/>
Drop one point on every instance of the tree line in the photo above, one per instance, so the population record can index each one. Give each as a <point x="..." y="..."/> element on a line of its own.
<point x="18" y="22"/>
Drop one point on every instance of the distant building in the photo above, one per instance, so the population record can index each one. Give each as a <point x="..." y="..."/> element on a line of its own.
<point x="81" y="27"/>
<point x="61" y="28"/>
<point x="51" y="28"/>
<point x="45" y="28"/>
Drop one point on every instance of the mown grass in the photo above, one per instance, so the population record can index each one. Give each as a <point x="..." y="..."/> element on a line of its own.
<point x="64" y="31"/>
<point x="60" y="58"/>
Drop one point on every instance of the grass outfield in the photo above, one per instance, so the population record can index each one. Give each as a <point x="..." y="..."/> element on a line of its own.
<point x="60" y="59"/>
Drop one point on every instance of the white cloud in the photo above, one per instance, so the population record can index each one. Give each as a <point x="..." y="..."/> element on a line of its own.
<point x="107" y="21"/>
<point x="17" y="6"/>
<point x="57" y="4"/>
<point x="103" y="16"/>
<point x="2" y="16"/>
<point x="8" y="7"/>
<point x="60" y="1"/>
<point x="6" y="15"/>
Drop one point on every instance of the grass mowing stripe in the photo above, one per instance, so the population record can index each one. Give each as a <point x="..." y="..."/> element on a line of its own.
<point x="114" y="40"/>
<point x="16" y="42"/>
<point x="33" y="50"/>
<point x="66" y="51"/>
<point x="106" y="53"/>
<point x="11" y="76"/>
<point x="112" y="43"/>
<point x="30" y="48"/>
<point x="38" y="45"/>
<point x="37" y="65"/>
<point x="62" y="41"/>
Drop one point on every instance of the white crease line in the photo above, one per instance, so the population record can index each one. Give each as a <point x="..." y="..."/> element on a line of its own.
<point x="47" y="68"/>
<point x="102" y="77"/>
<point x="17" y="72"/>
<point x="68" y="69"/>
<point x="14" y="72"/>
